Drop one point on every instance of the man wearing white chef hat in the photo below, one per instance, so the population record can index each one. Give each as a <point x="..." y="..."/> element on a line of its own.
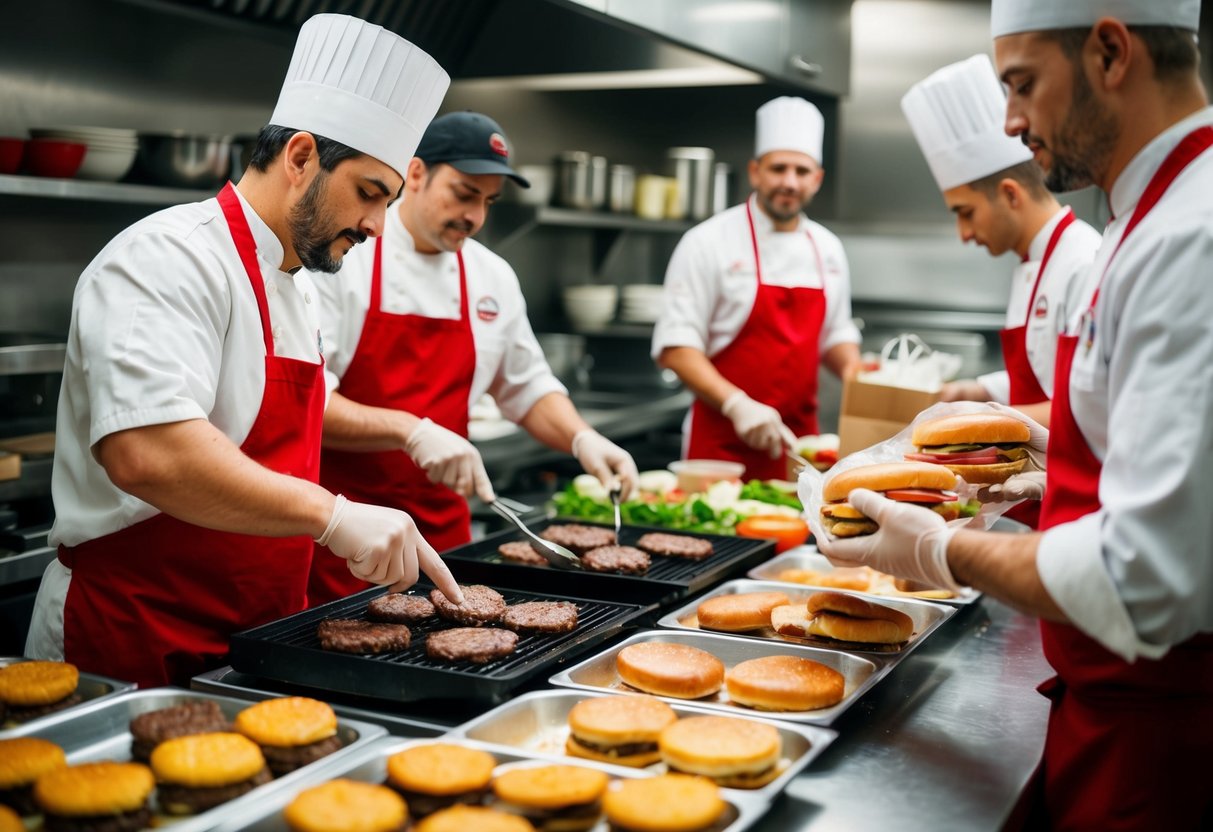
<point x="188" y="435"/>
<point x="755" y="299"/>
<point x="1106" y="92"/>
<point x="997" y="193"/>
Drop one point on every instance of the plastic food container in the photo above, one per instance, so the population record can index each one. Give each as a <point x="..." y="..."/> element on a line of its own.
<point x="695" y="475"/>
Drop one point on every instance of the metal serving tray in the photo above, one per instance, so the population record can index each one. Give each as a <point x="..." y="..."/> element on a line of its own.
<point x="807" y="557"/>
<point x="288" y="650"/>
<point x="369" y="765"/>
<point x="598" y="673"/>
<point x="668" y="579"/>
<point x="926" y="617"/>
<point x="538" y="723"/>
<point x="91" y="688"/>
<point x="101" y="731"/>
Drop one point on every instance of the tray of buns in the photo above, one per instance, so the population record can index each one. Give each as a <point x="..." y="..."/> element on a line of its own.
<point x="668" y="578"/>
<point x="806" y="566"/>
<point x="30" y="707"/>
<point x="628" y="730"/>
<point x="290" y="650"/>
<point x="478" y="778"/>
<point x="884" y="628"/>
<point x="139" y="725"/>
<point x="738" y="676"/>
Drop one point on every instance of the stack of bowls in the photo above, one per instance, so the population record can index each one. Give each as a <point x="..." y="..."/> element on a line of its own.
<point x="110" y="151"/>
<point x="589" y="307"/>
<point x="641" y="303"/>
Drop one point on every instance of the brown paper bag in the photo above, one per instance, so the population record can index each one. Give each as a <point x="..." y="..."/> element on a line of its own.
<point x="872" y="413"/>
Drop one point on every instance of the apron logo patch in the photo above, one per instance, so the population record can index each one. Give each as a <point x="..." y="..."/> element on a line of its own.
<point x="1042" y="307"/>
<point x="487" y="309"/>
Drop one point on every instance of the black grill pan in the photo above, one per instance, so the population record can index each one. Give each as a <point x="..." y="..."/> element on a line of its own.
<point x="668" y="579"/>
<point x="289" y="651"/>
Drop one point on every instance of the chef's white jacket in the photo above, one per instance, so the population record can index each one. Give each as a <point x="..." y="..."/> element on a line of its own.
<point x="165" y="328"/>
<point x="509" y="362"/>
<point x="1059" y="288"/>
<point x="1137" y="575"/>
<point x="710" y="282"/>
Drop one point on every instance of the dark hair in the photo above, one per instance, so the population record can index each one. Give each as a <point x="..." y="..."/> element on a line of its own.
<point x="1172" y="49"/>
<point x="273" y="138"/>
<point x="1028" y="174"/>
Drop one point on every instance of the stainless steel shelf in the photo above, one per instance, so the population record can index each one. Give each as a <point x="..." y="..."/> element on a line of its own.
<point x="98" y="191"/>
<point x="573" y="218"/>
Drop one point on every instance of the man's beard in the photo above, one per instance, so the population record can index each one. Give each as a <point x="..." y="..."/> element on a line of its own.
<point x="1083" y="143"/>
<point x="767" y="201"/>
<point x="311" y="233"/>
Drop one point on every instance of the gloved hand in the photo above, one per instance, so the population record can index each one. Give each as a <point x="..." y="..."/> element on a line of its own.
<point x="1038" y="443"/>
<point x="759" y="425"/>
<point x="1027" y="486"/>
<point x="449" y="459"/>
<point x="606" y="460"/>
<point x="964" y="390"/>
<point x="384" y="546"/>
<point x="911" y="542"/>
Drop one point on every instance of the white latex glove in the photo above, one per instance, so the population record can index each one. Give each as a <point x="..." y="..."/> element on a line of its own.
<point x="759" y="425"/>
<point x="964" y="390"/>
<point x="911" y="542"/>
<point x="1028" y="486"/>
<point x="1038" y="443"/>
<point x="606" y="460"/>
<point x="449" y="459"/>
<point x="384" y="546"/>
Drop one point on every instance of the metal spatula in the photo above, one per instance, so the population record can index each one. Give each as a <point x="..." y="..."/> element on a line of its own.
<point x="556" y="555"/>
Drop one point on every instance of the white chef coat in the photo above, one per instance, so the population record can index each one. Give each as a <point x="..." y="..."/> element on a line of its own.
<point x="1057" y="293"/>
<point x="510" y="364"/>
<point x="165" y="328"/>
<point x="710" y="282"/>
<point x="1137" y="575"/>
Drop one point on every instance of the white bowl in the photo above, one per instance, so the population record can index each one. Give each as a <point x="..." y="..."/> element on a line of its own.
<point x="695" y="475"/>
<point x="105" y="164"/>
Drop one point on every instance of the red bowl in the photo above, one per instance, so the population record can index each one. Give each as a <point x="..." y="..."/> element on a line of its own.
<point x="51" y="157"/>
<point x="11" y="151"/>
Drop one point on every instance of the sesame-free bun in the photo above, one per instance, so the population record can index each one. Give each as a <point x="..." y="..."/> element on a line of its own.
<point x="667" y="669"/>
<point x="287" y="721"/>
<point x="105" y="788"/>
<point x="29" y="684"/>
<point x="785" y="683"/>
<point x="970" y="429"/>
<point x="464" y="818"/>
<point x="10" y="821"/>
<point x="888" y="475"/>
<point x="207" y="760"/>
<point x="550" y="787"/>
<point x="24" y="759"/>
<point x="736" y="753"/>
<point x="603" y="723"/>
<point x="849" y="618"/>
<point x="440" y="769"/>
<point x="346" y="806"/>
<point x="667" y="803"/>
<point x="739" y="612"/>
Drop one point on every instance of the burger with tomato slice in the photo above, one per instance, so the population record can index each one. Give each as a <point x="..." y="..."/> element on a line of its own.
<point x="981" y="447"/>
<point x="921" y="483"/>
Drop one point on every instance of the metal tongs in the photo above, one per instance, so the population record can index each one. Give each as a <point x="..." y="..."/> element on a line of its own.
<point x="616" y="493"/>
<point x="556" y="554"/>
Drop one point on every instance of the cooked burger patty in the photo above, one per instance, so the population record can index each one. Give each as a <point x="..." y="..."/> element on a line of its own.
<point x="190" y="800"/>
<point x="421" y="805"/>
<point x="283" y="759"/>
<point x="131" y="821"/>
<point x="470" y="644"/>
<point x="626" y="559"/>
<point x="481" y="605"/>
<point x="200" y="716"/>
<point x="577" y="538"/>
<point x="520" y="551"/>
<point x="348" y="635"/>
<point x="675" y="545"/>
<point x="541" y="617"/>
<point x="17" y="713"/>
<point x="399" y="608"/>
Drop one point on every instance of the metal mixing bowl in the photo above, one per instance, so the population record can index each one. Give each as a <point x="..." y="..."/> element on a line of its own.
<point x="185" y="161"/>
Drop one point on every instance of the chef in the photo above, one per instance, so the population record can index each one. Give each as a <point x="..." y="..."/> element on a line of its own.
<point x="755" y="299"/>
<point x="1107" y="92"/>
<point x="188" y="433"/>
<point x="997" y="193"/>
<point x="421" y="325"/>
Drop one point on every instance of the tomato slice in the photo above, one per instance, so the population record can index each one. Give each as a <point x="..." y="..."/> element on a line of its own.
<point x="986" y="456"/>
<point x="787" y="531"/>
<point x="920" y="495"/>
<point x="826" y="456"/>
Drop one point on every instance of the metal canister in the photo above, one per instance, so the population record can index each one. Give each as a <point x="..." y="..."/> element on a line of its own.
<point x="621" y="189"/>
<point x="598" y="182"/>
<point x="722" y="187"/>
<point x="573" y="179"/>
<point x="692" y="168"/>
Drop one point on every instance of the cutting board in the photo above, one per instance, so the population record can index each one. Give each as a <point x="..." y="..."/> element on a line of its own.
<point x="30" y="446"/>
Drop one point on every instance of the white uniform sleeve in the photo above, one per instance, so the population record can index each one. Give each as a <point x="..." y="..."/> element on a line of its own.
<point x="998" y="385"/>
<point x="523" y="376"/>
<point x="691" y="287"/>
<point x="838" y="326"/>
<point x="344" y="298"/>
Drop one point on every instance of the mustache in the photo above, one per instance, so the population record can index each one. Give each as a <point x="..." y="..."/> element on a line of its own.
<point x="460" y="225"/>
<point x="357" y="236"/>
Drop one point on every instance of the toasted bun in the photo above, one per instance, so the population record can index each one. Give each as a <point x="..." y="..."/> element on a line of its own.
<point x="790" y="620"/>
<point x="206" y="760"/>
<point x="10" y="821"/>
<point x="550" y="787"/>
<point x="346" y="806"/>
<point x="988" y="474"/>
<point x="463" y="818"/>
<point x="620" y="720"/>
<point x="886" y="475"/>
<point x="736" y="753"/>
<point x="29" y="684"/>
<point x="970" y="428"/>
<point x="849" y="618"/>
<point x="25" y="759"/>
<point x="105" y="788"/>
<point x="667" y="803"/>
<point x="440" y="769"/>
<point x="739" y="612"/>
<point x="785" y="683"/>
<point x="287" y="721"/>
<point x="674" y="670"/>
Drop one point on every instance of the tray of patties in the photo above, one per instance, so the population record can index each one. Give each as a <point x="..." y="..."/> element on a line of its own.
<point x="31" y="691"/>
<point x="457" y="785"/>
<point x="751" y="753"/>
<point x="738" y="676"/>
<point x="148" y="758"/>
<point x="885" y="628"/>
<point x="648" y="565"/>
<point x="415" y="645"/>
<point x="806" y="566"/>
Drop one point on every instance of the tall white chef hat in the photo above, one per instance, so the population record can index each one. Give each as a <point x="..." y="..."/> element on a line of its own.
<point x="360" y="85"/>
<point x="957" y="114"/>
<point x="1009" y="17"/>
<point x="788" y="123"/>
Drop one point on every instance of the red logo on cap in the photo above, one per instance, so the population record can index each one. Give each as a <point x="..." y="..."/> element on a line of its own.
<point x="487" y="309"/>
<point x="497" y="143"/>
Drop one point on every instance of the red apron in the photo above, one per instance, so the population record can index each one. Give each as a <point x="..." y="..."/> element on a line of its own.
<point x="1124" y="740"/>
<point x="1025" y="388"/>
<point x="419" y="365"/>
<point x="773" y="360"/>
<point x="154" y="603"/>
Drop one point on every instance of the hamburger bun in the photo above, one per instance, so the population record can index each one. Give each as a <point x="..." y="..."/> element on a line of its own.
<point x="790" y="620"/>
<point x="739" y="612"/>
<point x="553" y="798"/>
<point x="200" y="771"/>
<point x="441" y="769"/>
<point x="785" y="683"/>
<point x="844" y="577"/>
<point x="849" y="618"/>
<point x="36" y="683"/>
<point x="24" y="759"/>
<point x="10" y="821"/>
<point x="667" y="803"/>
<point x="287" y="721"/>
<point x="463" y="818"/>
<point x="669" y="669"/>
<point x="346" y="806"/>
<point x="841" y="519"/>
<point x="947" y="440"/>
<point x="105" y="788"/>
<point x="735" y="753"/>
<point x="618" y="729"/>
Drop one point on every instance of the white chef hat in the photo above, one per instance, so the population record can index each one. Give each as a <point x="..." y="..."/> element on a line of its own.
<point x="788" y="123"/>
<point x="957" y="114"/>
<point x="360" y="85"/>
<point x="1008" y="17"/>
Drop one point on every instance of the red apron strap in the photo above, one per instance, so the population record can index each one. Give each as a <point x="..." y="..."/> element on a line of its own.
<point x="246" y="246"/>
<point x="1062" y="224"/>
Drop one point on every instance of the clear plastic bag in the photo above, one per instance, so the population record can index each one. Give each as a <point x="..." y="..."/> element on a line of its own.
<point x="908" y="361"/>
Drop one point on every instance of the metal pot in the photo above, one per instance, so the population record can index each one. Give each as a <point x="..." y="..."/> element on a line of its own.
<point x="692" y="168"/>
<point x="621" y="191"/>
<point x="573" y="179"/>
<point x="185" y="161"/>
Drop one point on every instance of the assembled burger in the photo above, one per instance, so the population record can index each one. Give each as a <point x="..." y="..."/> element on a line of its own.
<point x="980" y="447"/>
<point x="909" y="482"/>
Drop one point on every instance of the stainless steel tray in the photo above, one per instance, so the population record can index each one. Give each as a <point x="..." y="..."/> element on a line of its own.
<point x="598" y="672"/>
<point x="101" y="731"/>
<point x="369" y="765"/>
<point x="926" y="617"/>
<point x="538" y="723"/>
<point x="91" y="689"/>
<point x="807" y="557"/>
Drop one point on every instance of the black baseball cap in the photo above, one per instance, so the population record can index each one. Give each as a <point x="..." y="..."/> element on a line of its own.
<point x="469" y="142"/>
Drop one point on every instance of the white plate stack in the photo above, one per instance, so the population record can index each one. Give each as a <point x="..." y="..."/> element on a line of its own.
<point x="641" y="303"/>
<point x="110" y="154"/>
<point x="589" y="307"/>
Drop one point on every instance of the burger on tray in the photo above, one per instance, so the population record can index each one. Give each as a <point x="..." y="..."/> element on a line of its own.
<point x="921" y="483"/>
<point x="980" y="447"/>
